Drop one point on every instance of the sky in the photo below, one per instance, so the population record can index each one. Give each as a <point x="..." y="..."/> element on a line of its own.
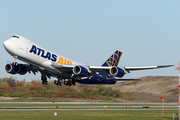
<point x="90" y="31"/>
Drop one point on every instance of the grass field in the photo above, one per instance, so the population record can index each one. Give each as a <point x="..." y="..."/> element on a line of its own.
<point x="88" y="115"/>
<point x="83" y="114"/>
<point x="55" y="104"/>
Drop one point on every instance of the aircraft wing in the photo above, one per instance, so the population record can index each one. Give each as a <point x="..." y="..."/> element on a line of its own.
<point x="102" y="69"/>
<point x="105" y="69"/>
<point x="96" y="68"/>
<point x="145" y="67"/>
<point x="91" y="69"/>
<point x="31" y="68"/>
<point x="126" y="69"/>
<point x="59" y="65"/>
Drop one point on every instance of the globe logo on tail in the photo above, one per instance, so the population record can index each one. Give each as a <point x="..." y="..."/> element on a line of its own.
<point x="114" y="59"/>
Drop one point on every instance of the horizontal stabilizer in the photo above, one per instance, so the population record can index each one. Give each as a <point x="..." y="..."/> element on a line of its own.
<point x="110" y="79"/>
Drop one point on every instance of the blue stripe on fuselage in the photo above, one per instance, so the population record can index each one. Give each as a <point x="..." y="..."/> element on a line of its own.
<point x="98" y="79"/>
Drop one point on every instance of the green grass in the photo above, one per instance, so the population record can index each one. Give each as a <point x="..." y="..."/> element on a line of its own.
<point x="55" y="104"/>
<point x="88" y="115"/>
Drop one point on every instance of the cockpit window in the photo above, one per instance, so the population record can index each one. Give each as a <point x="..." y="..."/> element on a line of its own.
<point x="15" y="36"/>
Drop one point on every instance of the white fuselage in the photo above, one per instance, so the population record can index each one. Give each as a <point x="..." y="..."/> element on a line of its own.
<point x="30" y="52"/>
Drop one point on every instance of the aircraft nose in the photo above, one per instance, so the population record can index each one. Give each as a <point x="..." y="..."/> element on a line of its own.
<point x="9" y="45"/>
<point x="6" y="44"/>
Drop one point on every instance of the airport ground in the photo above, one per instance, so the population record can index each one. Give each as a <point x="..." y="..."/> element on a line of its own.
<point x="86" y="111"/>
<point x="146" y="91"/>
<point x="88" y="115"/>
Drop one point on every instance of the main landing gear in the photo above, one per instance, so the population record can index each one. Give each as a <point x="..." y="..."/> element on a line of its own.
<point x="58" y="82"/>
<point x="67" y="82"/>
<point x="44" y="80"/>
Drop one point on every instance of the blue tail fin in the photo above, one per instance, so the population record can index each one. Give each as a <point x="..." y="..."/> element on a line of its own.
<point x="113" y="60"/>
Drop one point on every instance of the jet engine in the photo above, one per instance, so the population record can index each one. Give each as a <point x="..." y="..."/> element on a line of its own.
<point x="15" y="68"/>
<point x="10" y="68"/>
<point x="79" y="70"/>
<point x="117" y="72"/>
<point x="20" y="69"/>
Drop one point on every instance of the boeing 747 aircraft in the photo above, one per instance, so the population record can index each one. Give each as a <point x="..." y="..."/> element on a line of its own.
<point x="50" y="64"/>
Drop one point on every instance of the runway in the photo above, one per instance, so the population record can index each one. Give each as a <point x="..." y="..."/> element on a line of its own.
<point x="94" y="108"/>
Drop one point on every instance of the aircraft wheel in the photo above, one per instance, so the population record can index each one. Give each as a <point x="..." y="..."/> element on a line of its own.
<point x="59" y="83"/>
<point x="55" y="82"/>
<point x="43" y="78"/>
<point x="70" y="83"/>
<point x="46" y="82"/>
<point x="73" y="82"/>
<point x="65" y="82"/>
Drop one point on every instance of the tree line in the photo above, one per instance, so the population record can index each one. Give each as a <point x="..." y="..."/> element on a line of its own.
<point x="11" y="87"/>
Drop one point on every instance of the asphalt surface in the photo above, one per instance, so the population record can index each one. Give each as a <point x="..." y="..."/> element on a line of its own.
<point x="94" y="108"/>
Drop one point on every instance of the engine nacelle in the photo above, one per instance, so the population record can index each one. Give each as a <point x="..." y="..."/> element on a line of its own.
<point x="9" y="68"/>
<point x="81" y="71"/>
<point x="17" y="68"/>
<point x="117" y="72"/>
<point x="20" y="69"/>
